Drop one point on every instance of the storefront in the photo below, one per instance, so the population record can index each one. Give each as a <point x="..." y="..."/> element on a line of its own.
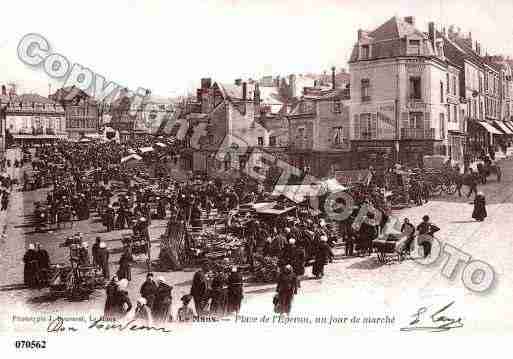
<point x="480" y="137"/>
<point x="411" y="153"/>
<point x="378" y="154"/>
<point x="457" y="147"/>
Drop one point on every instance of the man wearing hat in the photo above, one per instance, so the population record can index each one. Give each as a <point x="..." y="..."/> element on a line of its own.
<point x="149" y="290"/>
<point x="323" y="254"/>
<point x="95" y="250"/>
<point x="43" y="261"/>
<point x="83" y="255"/>
<point x="31" y="266"/>
<point x="162" y="305"/>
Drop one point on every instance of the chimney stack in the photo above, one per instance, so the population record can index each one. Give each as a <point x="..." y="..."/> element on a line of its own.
<point x="206" y="83"/>
<point x="238" y="82"/>
<point x="4" y="90"/>
<point x="244" y="91"/>
<point x="362" y="33"/>
<point x="333" y="85"/>
<point x="410" y="20"/>
<point x="432" y="35"/>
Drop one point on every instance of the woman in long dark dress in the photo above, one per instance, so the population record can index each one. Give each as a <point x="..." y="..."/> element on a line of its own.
<point x="479" y="212"/>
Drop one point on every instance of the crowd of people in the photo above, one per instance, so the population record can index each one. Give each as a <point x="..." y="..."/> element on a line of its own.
<point x="89" y="179"/>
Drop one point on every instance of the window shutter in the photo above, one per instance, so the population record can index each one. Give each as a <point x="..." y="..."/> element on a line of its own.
<point x="405" y="119"/>
<point x="346" y="134"/>
<point x="427" y="120"/>
<point x="380" y="126"/>
<point x="356" y="124"/>
<point x="374" y="126"/>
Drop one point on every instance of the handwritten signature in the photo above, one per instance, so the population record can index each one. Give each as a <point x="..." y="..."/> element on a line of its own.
<point x="436" y="322"/>
<point x="57" y="326"/>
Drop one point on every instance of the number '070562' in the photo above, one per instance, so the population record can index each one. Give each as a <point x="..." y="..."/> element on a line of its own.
<point x="30" y="344"/>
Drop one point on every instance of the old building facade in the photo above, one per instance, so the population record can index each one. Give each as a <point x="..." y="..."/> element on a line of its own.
<point x="318" y="128"/>
<point x="82" y="116"/>
<point x="400" y="102"/>
<point x="32" y="119"/>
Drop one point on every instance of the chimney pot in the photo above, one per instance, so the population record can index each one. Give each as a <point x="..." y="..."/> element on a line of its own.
<point x="333" y="78"/>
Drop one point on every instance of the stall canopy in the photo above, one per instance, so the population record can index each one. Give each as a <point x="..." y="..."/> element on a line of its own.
<point x="504" y="128"/>
<point x="489" y="128"/>
<point x="270" y="208"/>
<point x="160" y="144"/>
<point x="146" y="149"/>
<point x="297" y="193"/>
<point x="132" y="157"/>
<point x="332" y="186"/>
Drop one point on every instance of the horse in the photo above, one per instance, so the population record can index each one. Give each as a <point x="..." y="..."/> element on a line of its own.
<point x="486" y="169"/>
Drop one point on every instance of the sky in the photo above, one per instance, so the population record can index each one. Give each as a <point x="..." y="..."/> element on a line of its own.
<point x="168" y="46"/>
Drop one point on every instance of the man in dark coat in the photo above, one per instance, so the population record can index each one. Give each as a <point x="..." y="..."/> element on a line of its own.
<point x="479" y="212"/>
<point x="162" y="304"/>
<point x="43" y="260"/>
<point x="103" y="256"/>
<point x="83" y="255"/>
<point x="323" y="254"/>
<point x="95" y="251"/>
<point x="368" y="233"/>
<point x="425" y="230"/>
<point x="125" y="263"/>
<point x="299" y="260"/>
<point x="122" y="303"/>
<point x="149" y="290"/>
<point x="30" y="272"/>
<point x="109" y="218"/>
<point x="235" y="291"/>
<point x="219" y="293"/>
<point x="199" y="291"/>
<point x="287" y="288"/>
<point x="111" y="293"/>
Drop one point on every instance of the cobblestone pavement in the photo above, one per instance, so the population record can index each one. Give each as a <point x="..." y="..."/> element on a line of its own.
<point x="349" y="283"/>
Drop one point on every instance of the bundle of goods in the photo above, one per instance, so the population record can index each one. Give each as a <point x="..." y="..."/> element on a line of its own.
<point x="266" y="269"/>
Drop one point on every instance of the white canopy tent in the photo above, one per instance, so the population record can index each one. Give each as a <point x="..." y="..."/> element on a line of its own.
<point x="146" y="149"/>
<point x="132" y="157"/>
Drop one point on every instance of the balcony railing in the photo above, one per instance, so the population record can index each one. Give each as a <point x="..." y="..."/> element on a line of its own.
<point x="418" y="133"/>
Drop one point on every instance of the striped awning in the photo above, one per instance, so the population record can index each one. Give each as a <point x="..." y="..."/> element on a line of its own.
<point x="489" y="128"/>
<point x="503" y="127"/>
<point x="509" y="125"/>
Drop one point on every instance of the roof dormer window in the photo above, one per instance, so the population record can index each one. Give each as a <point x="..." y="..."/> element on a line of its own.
<point x="414" y="47"/>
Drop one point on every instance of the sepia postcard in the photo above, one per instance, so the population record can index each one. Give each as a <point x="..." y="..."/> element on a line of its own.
<point x="231" y="172"/>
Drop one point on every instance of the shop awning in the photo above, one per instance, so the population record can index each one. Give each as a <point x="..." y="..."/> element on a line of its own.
<point x="509" y="125"/>
<point x="504" y="128"/>
<point x="489" y="128"/>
